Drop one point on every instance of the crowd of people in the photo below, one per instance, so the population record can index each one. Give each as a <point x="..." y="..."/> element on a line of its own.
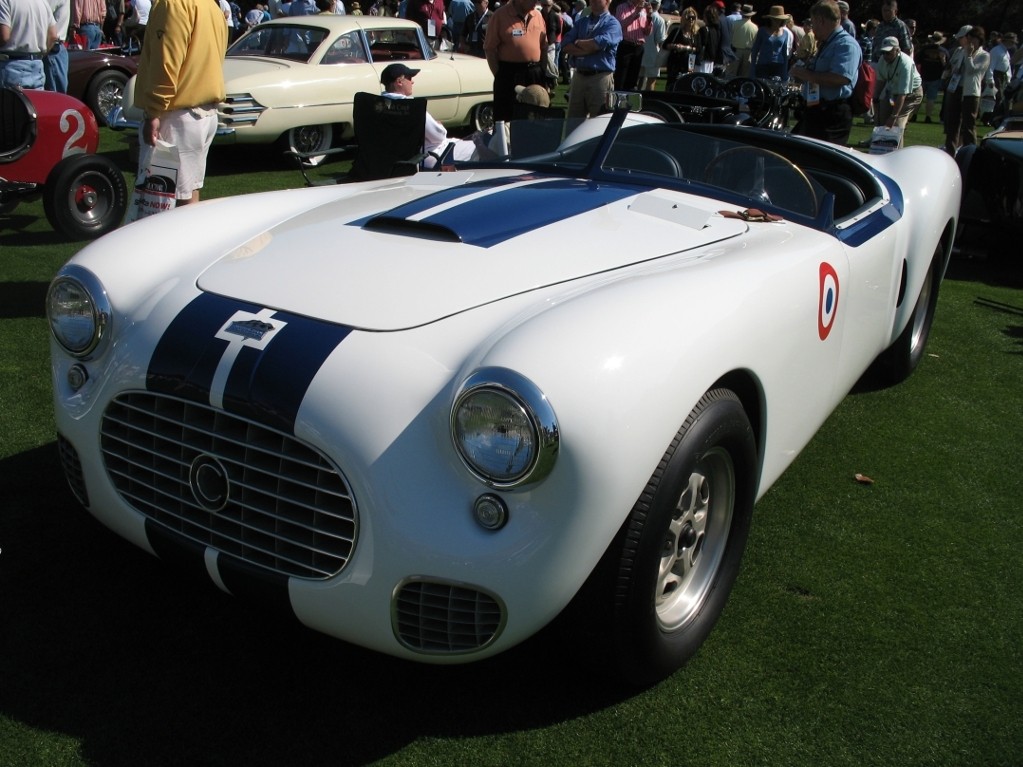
<point x="597" y="46"/>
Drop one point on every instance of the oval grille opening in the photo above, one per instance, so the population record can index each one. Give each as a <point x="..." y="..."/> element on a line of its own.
<point x="286" y="507"/>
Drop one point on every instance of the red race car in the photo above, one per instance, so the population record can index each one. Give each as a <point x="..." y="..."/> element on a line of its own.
<point x="48" y="145"/>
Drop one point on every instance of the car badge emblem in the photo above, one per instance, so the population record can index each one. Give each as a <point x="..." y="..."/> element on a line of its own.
<point x="250" y="329"/>
<point x="210" y="485"/>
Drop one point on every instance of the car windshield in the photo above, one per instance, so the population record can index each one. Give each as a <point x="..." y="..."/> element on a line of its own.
<point x="297" y="43"/>
<point x="654" y="153"/>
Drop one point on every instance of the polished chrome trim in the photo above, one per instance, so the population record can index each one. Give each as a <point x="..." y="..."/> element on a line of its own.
<point x="101" y="310"/>
<point x="541" y="415"/>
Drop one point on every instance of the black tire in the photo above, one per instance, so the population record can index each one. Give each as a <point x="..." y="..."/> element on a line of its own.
<point x="85" y="196"/>
<point x="680" y="548"/>
<point x="899" y="360"/>
<point x="105" y="92"/>
<point x="311" y="138"/>
<point x="483" y="117"/>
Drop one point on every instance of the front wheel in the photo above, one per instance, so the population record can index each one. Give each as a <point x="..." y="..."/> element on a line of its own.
<point x="85" y="196"/>
<point x="105" y="92"/>
<point x="680" y="548"/>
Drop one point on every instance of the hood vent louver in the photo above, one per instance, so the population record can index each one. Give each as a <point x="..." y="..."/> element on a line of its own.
<point x="421" y="229"/>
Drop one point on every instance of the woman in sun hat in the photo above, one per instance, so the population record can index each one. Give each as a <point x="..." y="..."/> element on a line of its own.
<point x="772" y="46"/>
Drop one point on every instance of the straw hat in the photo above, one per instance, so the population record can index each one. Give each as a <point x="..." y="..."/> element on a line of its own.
<point x="777" y="12"/>
<point x="747" y="11"/>
<point x="937" y="37"/>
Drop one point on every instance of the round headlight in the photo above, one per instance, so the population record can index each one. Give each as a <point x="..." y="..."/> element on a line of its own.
<point x="78" y="311"/>
<point x="504" y="429"/>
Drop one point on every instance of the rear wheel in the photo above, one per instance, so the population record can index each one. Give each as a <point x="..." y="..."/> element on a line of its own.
<point x="483" y="117"/>
<point x="900" y="359"/>
<point x="678" y="553"/>
<point x="85" y="196"/>
<point x="311" y="138"/>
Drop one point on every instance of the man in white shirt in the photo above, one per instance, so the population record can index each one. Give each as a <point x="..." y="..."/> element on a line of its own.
<point x="27" y="33"/>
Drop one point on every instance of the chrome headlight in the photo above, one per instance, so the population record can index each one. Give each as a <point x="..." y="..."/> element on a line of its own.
<point x="78" y="310"/>
<point x="504" y="429"/>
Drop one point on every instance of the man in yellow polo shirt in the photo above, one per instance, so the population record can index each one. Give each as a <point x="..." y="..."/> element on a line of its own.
<point x="180" y="82"/>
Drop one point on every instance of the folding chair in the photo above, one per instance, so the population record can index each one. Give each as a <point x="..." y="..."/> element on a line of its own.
<point x="388" y="136"/>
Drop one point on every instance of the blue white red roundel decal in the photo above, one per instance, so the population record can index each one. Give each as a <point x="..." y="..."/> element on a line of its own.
<point x="828" y="306"/>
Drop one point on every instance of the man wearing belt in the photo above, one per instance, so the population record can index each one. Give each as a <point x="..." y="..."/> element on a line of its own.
<point x="828" y="80"/>
<point x="87" y="17"/>
<point x="27" y="32"/>
<point x="743" y="35"/>
<point x="180" y="82"/>
<point x="55" y="63"/>
<point x="901" y="87"/>
<point x="515" y="45"/>
<point x="592" y="47"/>
<point x="635" y="22"/>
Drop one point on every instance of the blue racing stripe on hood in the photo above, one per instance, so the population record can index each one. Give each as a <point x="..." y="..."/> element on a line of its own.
<point x="487" y="214"/>
<point x="254" y="362"/>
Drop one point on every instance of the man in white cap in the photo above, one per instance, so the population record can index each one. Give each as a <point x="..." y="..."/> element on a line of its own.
<point x="397" y="80"/>
<point x="901" y="88"/>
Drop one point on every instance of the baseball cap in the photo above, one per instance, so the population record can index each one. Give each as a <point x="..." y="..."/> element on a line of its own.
<point x="393" y="71"/>
<point x="890" y="44"/>
<point x="964" y="31"/>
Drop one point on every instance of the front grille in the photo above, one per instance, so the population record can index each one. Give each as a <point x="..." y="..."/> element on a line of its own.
<point x="72" y="469"/>
<point x="436" y="617"/>
<point x="286" y="508"/>
<point x="239" y="109"/>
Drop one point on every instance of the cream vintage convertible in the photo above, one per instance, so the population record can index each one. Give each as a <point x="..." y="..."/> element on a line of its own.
<point x="294" y="80"/>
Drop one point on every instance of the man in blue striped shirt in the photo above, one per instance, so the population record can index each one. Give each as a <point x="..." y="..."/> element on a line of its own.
<point x="592" y="47"/>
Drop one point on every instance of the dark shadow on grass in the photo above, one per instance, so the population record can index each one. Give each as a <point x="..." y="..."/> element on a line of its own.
<point x="22" y="299"/>
<point x="107" y="645"/>
<point x="981" y="266"/>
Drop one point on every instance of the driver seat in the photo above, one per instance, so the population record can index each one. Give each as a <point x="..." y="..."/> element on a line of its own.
<point x="17" y="125"/>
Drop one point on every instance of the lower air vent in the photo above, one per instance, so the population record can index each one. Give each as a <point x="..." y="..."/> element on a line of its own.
<point x="442" y="618"/>
<point x="72" y="469"/>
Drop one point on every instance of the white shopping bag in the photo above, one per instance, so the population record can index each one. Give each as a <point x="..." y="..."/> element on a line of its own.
<point x="884" y="140"/>
<point x="155" y="183"/>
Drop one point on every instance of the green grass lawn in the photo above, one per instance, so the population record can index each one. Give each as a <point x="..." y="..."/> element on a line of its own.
<point x="874" y="624"/>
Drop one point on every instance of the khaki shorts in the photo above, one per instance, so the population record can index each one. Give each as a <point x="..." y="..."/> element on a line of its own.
<point x="191" y="131"/>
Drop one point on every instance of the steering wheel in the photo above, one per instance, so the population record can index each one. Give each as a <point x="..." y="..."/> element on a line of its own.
<point x="751" y="90"/>
<point x="765" y="177"/>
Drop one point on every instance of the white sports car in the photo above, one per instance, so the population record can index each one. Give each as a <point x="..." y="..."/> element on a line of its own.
<point x="426" y="414"/>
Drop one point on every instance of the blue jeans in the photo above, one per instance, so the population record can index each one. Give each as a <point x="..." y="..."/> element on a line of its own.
<point x="93" y="35"/>
<point x="55" y="68"/>
<point x="26" y="73"/>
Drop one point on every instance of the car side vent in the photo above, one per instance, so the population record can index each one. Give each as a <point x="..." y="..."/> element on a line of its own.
<point x="445" y="618"/>
<point x="418" y="229"/>
<point x="72" y="469"/>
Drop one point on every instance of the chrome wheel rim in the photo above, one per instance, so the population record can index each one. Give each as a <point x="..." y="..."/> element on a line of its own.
<point x="696" y="539"/>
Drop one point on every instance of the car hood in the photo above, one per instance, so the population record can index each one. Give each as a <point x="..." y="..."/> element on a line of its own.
<point x="406" y="254"/>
